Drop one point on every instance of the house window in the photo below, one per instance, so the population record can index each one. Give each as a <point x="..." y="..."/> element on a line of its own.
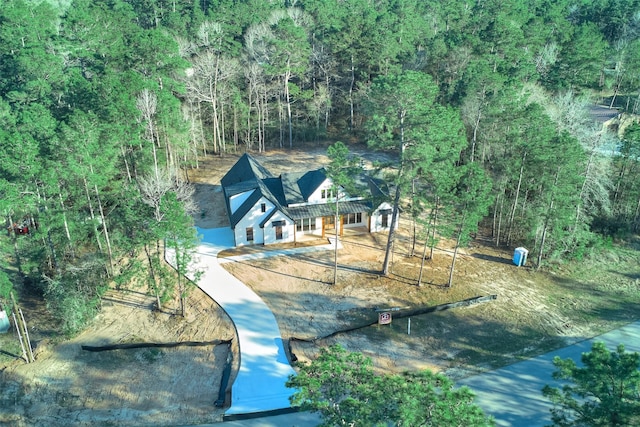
<point x="354" y="218"/>
<point x="306" y="224"/>
<point x="263" y="207"/>
<point x="327" y="193"/>
<point x="385" y="220"/>
<point x="249" y="234"/>
<point x="278" y="232"/>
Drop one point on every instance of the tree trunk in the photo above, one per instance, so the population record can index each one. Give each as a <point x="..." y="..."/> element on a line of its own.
<point x="500" y="221"/>
<point x="392" y="232"/>
<point x="153" y="278"/>
<point x="424" y="250"/>
<point x="455" y="251"/>
<point x="287" y="97"/>
<point x="335" y="255"/>
<point x="106" y="231"/>
<point x="351" y="85"/>
<point x="66" y="225"/>
<point x="546" y="221"/>
<point x="433" y="228"/>
<point x="474" y="139"/>
<point x="396" y="201"/>
<point x="92" y="213"/>
<point x="413" y="219"/>
<point x="515" y="201"/>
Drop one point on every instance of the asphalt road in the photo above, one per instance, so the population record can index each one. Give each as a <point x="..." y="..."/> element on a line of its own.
<point x="513" y="394"/>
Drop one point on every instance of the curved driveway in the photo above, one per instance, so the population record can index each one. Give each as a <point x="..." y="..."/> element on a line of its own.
<point x="264" y="368"/>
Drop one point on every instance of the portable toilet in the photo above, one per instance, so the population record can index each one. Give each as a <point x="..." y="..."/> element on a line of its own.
<point x="4" y="322"/>
<point x="520" y="256"/>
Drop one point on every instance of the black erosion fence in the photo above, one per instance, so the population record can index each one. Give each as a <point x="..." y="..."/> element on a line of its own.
<point x="398" y="313"/>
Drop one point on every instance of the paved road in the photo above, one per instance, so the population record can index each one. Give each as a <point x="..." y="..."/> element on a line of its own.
<point x="513" y="394"/>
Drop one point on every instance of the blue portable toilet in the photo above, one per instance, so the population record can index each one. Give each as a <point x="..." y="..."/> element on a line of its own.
<point x="520" y="256"/>
<point x="4" y="322"/>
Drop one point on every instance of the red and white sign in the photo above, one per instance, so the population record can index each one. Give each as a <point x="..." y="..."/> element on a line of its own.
<point x="384" y="318"/>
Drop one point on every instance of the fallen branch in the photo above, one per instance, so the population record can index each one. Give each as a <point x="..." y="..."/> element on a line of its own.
<point x="130" y="346"/>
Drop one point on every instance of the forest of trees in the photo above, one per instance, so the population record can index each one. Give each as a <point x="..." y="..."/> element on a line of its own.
<point x="105" y="106"/>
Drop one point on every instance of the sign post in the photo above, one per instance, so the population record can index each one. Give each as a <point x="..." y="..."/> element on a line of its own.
<point x="384" y="318"/>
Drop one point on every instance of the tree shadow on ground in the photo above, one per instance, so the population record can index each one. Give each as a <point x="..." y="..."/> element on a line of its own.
<point x="492" y="258"/>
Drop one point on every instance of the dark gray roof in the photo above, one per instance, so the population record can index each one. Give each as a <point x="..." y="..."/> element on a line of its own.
<point x="290" y="188"/>
<point x="246" y="175"/>
<point x="268" y="218"/>
<point x="298" y="186"/>
<point x="602" y="114"/>
<point x="275" y="188"/>
<point x="322" y="209"/>
<point x="245" y="169"/>
<point x="310" y="181"/>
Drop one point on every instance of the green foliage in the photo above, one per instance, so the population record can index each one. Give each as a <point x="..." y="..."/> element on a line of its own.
<point x="74" y="297"/>
<point x="604" y="392"/>
<point x="74" y="143"/>
<point x="343" y="388"/>
<point x="6" y="287"/>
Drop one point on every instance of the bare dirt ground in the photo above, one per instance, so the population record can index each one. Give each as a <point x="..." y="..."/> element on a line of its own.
<point x="151" y="386"/>
<point x="534" y="312"/>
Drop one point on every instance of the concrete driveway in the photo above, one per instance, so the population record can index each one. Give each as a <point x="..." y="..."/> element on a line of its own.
<point x="264" y="368"/>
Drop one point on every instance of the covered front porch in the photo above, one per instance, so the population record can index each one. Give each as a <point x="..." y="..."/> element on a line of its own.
<point x="318" y="221"/>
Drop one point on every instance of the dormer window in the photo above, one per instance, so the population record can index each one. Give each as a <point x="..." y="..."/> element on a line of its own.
<point x="327" y="194"/>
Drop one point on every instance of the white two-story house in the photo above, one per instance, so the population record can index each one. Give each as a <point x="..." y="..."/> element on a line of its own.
<point x="267" y="209"/>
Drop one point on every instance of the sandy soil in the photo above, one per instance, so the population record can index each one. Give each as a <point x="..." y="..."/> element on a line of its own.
<point x="179" y="386"/>
<point x="69" y="386"/>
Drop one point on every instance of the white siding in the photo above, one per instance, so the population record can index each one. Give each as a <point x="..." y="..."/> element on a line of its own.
<point x="288" y="230"/>
<point x="316" y="196"/>
<point x="253" y="218"/>
<point x="376" y="218"/>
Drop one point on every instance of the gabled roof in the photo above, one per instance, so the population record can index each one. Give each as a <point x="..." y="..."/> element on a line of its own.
<point x="246" y="169"/>
<point x="246" y="175"/>
<point x="298" y="186"/>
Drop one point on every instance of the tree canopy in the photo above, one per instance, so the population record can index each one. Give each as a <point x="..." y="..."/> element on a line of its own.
<point x="343" y="388"/>
<point x="102" y="100"/>
<point x="605" y="391"/>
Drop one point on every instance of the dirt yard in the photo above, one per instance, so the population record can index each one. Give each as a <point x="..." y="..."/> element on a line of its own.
<point x="534" y="312"/>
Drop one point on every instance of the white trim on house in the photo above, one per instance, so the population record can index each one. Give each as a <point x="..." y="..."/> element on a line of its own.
<point x="252" y="219"/>
<point x="278" y="223"/>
